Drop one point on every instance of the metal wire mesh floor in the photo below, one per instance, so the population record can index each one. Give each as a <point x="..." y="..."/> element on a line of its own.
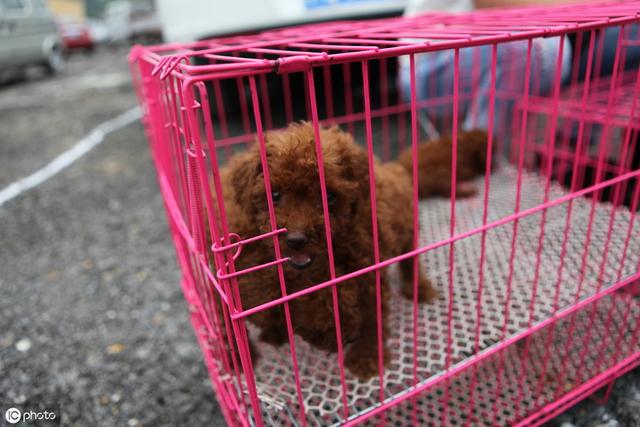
<point x="319" y="372"/>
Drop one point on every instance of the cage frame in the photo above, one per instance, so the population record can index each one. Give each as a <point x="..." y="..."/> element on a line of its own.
<point x="152" y="66"/>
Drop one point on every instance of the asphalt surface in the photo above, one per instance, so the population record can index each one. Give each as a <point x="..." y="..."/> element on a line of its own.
<point x="91" y="313"/>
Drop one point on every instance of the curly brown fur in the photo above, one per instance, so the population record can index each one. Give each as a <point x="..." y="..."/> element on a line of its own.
<point x="294" y="177"/>
<point x="434" y="164"/>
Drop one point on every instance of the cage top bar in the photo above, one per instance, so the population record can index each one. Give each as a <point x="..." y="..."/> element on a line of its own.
<point x="297" y="48"/>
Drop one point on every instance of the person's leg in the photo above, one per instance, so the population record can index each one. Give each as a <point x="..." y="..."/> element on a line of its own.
<point x="435" y="72"/>
<point x="434" y="87"/>
<point x="511" y="63"/>
<point x="605" y="46"/>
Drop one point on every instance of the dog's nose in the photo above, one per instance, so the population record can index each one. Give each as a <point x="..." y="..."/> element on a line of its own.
<point x="296" y="239"/>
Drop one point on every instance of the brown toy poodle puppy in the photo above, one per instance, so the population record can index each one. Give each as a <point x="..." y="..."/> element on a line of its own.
<point x="434" y="164"/>
<point x="297" y="201"/>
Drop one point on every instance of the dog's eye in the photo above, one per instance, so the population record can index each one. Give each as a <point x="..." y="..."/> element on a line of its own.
<point x="276" y="197"/>
<point x="331" y="198"/>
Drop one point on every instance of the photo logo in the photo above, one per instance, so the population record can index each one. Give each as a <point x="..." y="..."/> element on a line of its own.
<point x="36" y="413"/>
<point x="13" y="415"/>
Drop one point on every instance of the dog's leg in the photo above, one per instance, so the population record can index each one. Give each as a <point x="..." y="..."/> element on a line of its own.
<point x="274" y="335"/>
<point x="463" y="189"/>
<point x="274" y="330"/>
<point x="438" y="183"/>
<point x="466" y="189"/>
<point x="362" y="356"/>
<point x="426" y="291"/>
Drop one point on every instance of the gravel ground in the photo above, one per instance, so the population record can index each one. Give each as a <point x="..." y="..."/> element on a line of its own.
<point x="92" y="317"/>
<point x="621" y="410"/>
<point x="43" y="116"/>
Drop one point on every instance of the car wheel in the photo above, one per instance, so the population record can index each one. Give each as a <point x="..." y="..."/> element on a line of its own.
<point x="55" y="61"/>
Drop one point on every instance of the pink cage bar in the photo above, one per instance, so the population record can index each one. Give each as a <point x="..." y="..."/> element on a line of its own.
<point x="537" y="273"/>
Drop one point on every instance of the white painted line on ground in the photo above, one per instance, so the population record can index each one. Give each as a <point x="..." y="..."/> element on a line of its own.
<point x="68" y="157"/>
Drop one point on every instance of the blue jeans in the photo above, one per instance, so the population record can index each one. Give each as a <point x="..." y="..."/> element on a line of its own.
<point x="435" y="73"/>
<point x="609" y="46"/>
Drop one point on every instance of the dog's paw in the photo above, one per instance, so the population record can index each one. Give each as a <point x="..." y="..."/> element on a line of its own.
<point x="466" y="189"/>
<point x="363" y="361"/>
<point x="274" y="336"/>
<point x="426" y="292"/>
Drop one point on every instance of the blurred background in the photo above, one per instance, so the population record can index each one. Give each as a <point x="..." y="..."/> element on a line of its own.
<point x="91" y="313"/>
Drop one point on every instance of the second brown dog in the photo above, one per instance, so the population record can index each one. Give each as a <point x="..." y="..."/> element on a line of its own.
<point x="435" y="159"/>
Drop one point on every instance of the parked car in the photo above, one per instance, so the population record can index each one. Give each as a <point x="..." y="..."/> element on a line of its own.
<point x="29" y="36"/>
<point x="75" y="34"/>
<point x="134" y="22"/>
<point x="198" y="19"/>
<point x="99" y="31"/>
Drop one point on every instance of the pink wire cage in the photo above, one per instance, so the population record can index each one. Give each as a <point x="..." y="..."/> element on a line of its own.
<point x="537" y="273"/>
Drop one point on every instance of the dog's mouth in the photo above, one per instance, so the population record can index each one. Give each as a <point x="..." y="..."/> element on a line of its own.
<point x="300" y="260"/>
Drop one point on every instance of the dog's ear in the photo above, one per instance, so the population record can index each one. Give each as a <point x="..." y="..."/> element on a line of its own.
<point x="352" y="157"/>
<point x="358" y="168"/>
<point x="245" y="169"/>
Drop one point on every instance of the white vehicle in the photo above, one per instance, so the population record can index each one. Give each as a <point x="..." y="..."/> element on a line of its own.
<point x="197" y="19"/>
<point x="29" y="36"/>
